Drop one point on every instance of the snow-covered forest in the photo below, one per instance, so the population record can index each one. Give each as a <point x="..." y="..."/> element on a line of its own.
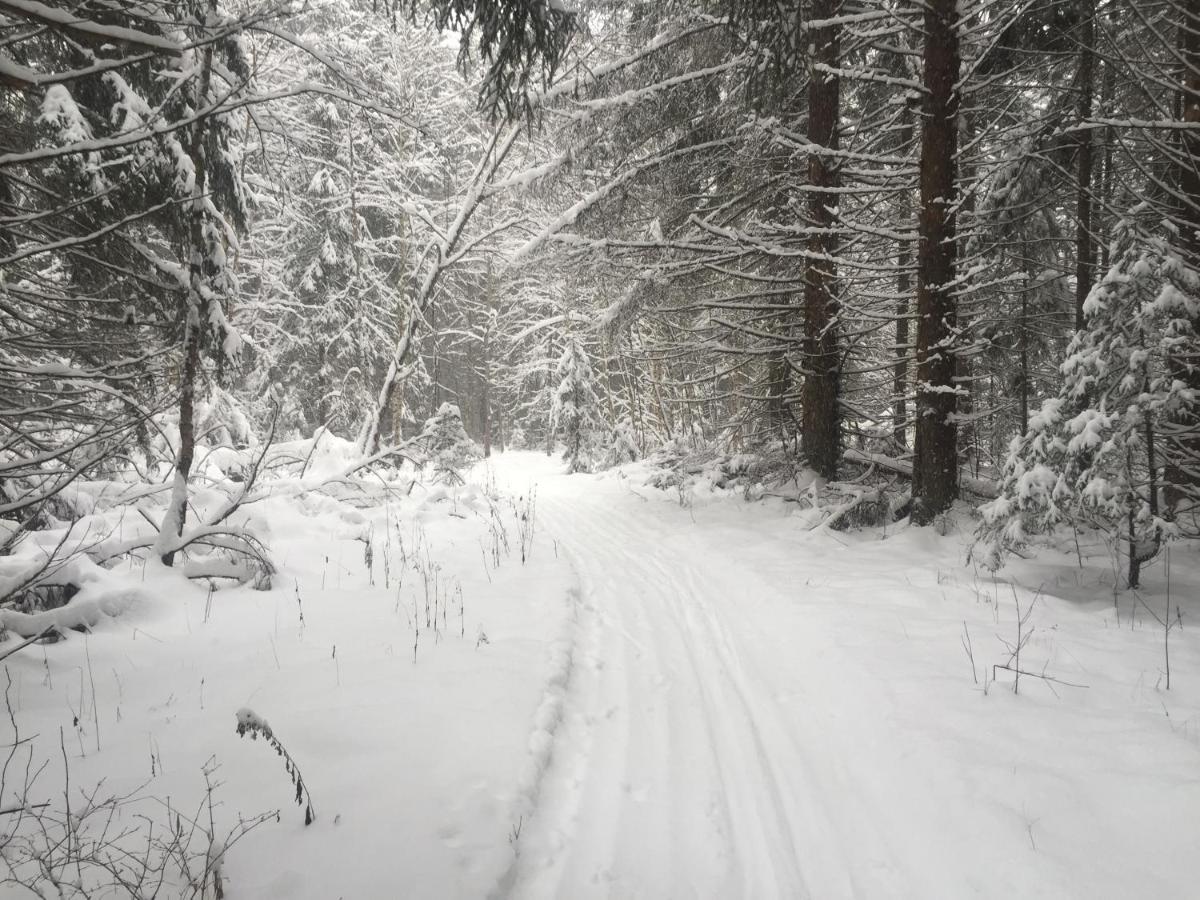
<point x="599" y="449"/>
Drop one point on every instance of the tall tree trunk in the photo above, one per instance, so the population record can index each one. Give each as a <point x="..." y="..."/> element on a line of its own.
<point x="201" y="270"/>
<point x="1182" y="474"/>
<point x="1023" y="338"/>
<point x="904" y="259"/>
<point x="550" y="429"/>
<point x="176" y="514"/>
<point x="1106" y="180"/>
<point x="966" y="221"/>
<point x="1084" y="249"/>
<point x="935" y="465"/>
<point x="324" y="388"/>
<point x="820" y="437"/>
<point x="485" y="367"/>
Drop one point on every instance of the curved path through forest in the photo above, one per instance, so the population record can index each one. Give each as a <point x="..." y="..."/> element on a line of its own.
<point x="758" y="710"/>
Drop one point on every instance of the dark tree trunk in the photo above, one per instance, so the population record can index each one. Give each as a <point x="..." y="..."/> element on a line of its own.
<point x="200" y="273"/>
<point x="176" y="515"/>
<point x="935" y="465"/>
<point x="1084" y="249"/>
<point x="1023" y="340"/>
<point x="435" y="366"/>
<point x="820" y="436"/>
<point x="1182" y="473"/>
<point x="1106" y="179"/>
<point x="967" y="438"/>
<point x="549" y="388"/>
<point x="904" y="259"/>
<point x="1142" y="546"/>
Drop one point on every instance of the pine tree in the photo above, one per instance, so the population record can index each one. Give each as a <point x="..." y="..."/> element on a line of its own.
<point x="122" y="203"/>
<point x="1096" y="451"/>
<point x="1117" y="444"/>
<point x="575" y="416"/>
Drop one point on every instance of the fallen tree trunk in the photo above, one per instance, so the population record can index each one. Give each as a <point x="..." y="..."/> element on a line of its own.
<point x="981" y="487"/>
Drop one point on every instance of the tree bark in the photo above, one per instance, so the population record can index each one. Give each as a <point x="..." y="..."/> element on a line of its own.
<point x="935" y="466"/>
<point x="1181" y="481"/>
<point x="1106" y="160"/>
<point x="1084" y="249"/>
<point x="200" y="274"/>
<point x="903" y="306"/>
<point x="821" y="433"/>
<point x="1023" y="339"/>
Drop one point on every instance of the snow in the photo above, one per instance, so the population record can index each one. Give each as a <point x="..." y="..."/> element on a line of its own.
<point x="673" y="696"/>
<point x="764" y="711"/>
<point x="59" y="109"/>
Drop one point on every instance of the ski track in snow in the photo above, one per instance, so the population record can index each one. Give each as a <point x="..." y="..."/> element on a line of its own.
<point x="745" y="717"/>
<point x="671" y="774"/>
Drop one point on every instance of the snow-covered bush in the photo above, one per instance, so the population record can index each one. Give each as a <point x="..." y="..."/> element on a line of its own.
<point x="622" y="445"/>
<point x="221" y="422"/>
<point x="449" y="446"/>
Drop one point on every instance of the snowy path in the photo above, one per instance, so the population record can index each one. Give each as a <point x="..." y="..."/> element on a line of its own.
<point x="676" y="772"/>
<point x="672" y="777"/>
<point x="746" y="719"/>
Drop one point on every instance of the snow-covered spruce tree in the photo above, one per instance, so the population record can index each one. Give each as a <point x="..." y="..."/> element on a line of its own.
<point x="450" y="448"/>
<point x="575" y="416"/>
<point x="124" y="200"/>
<point x="1101" y="450"/>
<point x="207" y="165"/>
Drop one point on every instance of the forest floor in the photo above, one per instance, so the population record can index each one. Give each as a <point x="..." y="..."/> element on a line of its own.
<point x="706" y="699"/>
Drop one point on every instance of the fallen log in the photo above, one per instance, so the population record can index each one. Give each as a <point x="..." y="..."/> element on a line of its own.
<point x="981" y="487"/>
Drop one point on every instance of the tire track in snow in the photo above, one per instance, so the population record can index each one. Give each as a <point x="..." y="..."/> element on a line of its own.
<point x="664" y="781"/>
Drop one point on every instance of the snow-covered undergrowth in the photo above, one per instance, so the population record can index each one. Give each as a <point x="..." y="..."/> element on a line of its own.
<point x="703" y="470"/>
<point x="401" y="650"/>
